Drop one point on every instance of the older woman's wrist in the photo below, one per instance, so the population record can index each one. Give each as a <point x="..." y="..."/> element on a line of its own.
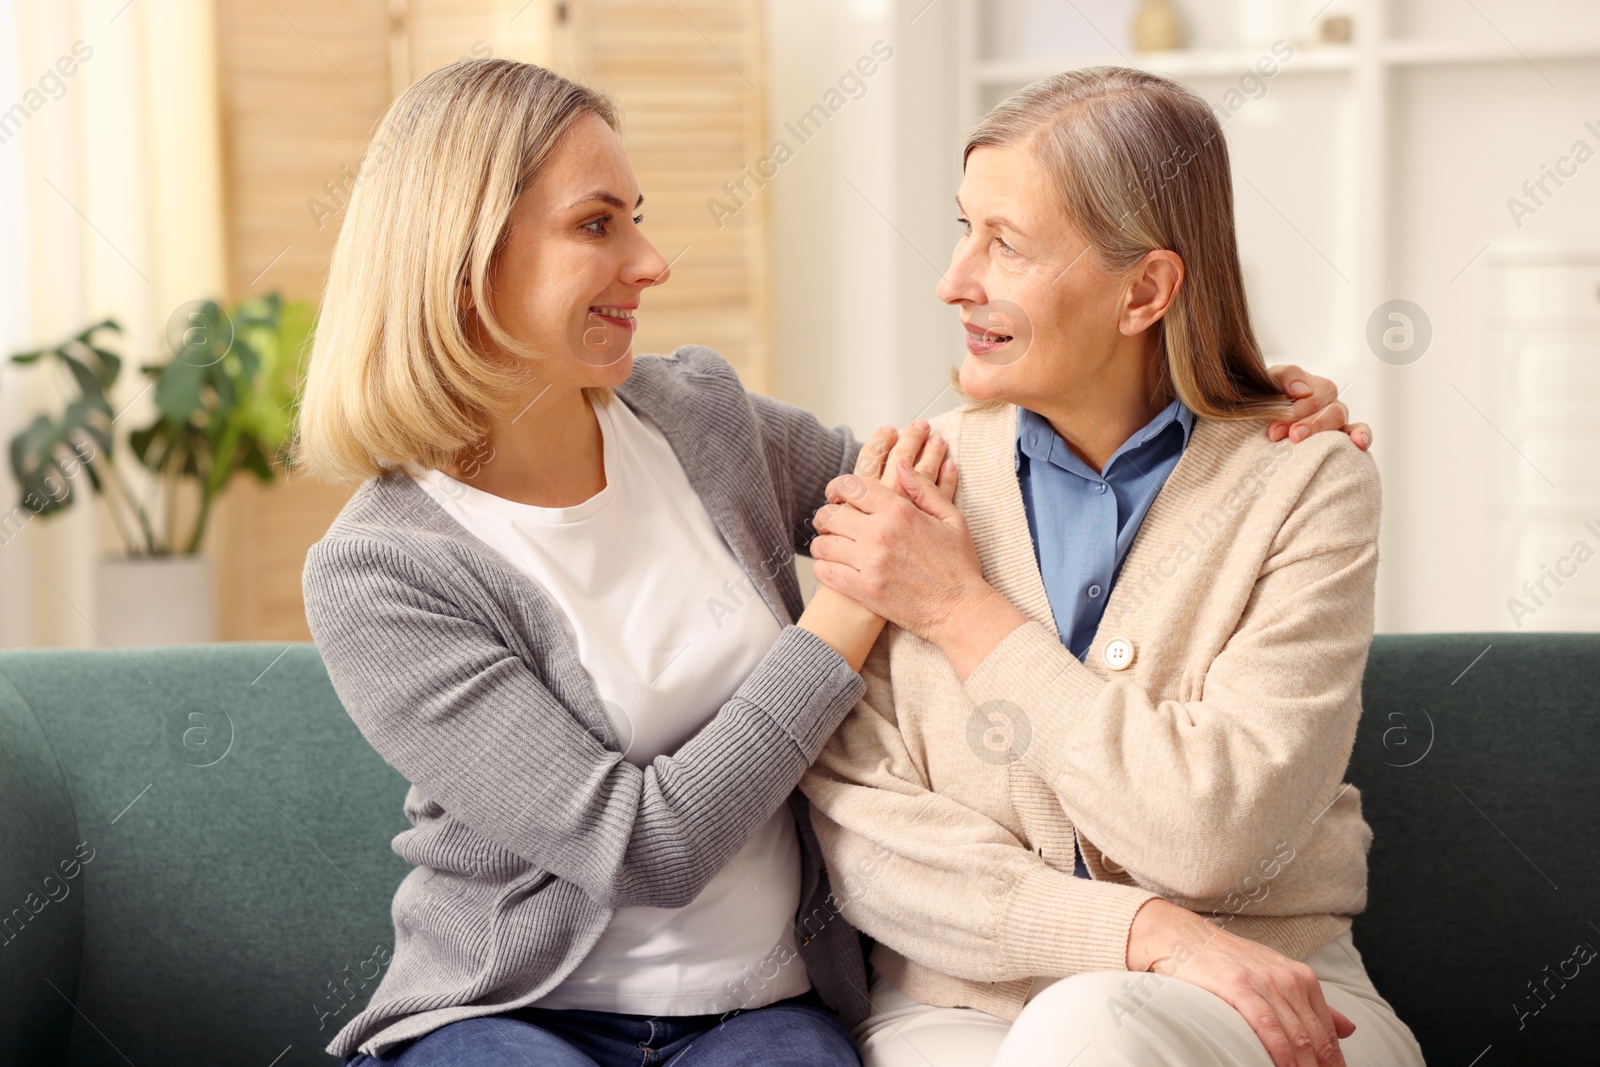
<point x="1161" y="931"/>
<point x="974" y="627"/>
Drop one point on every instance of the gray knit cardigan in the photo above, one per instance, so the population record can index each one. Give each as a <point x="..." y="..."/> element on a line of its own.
<point x="529" y="828"/>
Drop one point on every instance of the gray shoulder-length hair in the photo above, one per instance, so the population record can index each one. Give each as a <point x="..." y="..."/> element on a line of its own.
<point x="1139" y="163"/>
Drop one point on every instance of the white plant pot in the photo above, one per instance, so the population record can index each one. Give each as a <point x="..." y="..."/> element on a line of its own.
<point x="162" y="600"/>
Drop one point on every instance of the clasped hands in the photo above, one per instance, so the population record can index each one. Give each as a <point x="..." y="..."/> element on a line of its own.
<point x="891" y="538"/>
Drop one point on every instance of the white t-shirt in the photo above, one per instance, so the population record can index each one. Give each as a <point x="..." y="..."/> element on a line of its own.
<point x="644" y="582"/>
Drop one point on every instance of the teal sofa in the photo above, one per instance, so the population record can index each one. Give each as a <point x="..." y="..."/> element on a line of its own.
<point x="195" y="864"/>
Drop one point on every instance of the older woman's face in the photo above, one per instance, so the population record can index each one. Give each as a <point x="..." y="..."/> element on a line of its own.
<point x="568" y="280"/>
<point x="1041" y="316"/>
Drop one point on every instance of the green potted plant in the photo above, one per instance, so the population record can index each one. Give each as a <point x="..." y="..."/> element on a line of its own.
<point x="223" y="402"/>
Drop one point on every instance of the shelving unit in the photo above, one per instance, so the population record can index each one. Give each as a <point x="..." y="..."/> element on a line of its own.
<point x="1347" y="177"/>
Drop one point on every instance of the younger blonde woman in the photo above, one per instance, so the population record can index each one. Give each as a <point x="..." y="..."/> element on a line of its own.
<point x="562" y="603"/>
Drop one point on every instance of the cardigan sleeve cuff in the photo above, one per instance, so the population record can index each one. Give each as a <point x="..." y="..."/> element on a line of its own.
<point x="804" y="686"/>
<point x="1033" y="672"/>
<point x="1058" y="925"/>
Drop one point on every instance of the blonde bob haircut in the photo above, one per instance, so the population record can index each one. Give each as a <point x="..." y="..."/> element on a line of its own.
<point x="394" y="376"/>
<point x="1139" y="163"/>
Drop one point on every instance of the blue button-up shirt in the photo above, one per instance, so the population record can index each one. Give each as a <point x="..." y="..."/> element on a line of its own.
<point x="1083" y="521"/>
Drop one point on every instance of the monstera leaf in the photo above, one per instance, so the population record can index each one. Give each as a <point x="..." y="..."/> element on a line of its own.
<point x="50" y="450"/>
<point x="49" y="453"/>
<point x="171" y="448"/>
<point x="93" y="367"/>
<point x="107" y="362"/>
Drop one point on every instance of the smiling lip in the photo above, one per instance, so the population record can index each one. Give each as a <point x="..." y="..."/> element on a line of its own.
<point x="980" y="342"/>
<point x="620" y="315"/>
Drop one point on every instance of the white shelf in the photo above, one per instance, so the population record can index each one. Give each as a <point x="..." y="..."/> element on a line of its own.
<point x="1178" y="63"/>
<point x="1403" y="53"/>
<point x="1307" y="59"/>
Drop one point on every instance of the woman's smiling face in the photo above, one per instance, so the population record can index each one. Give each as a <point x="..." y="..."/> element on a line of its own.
<point x="1044" y="322"/>
<point x="568" y="279"/>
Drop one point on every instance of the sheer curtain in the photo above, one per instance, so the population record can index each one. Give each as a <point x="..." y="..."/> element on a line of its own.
<point x="109" y="207"/>
<point x="16" y="608"/>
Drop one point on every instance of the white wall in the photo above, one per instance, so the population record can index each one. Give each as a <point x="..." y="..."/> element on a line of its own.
<point x="863" y="220"/>
<point x="1465" y="141"/>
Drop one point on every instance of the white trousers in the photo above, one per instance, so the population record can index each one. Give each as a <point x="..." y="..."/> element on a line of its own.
<point x="1177" y="1024"/>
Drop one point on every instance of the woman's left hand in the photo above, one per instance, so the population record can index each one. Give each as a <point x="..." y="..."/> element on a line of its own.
<point x="910" y="559"/>
<point x="1316" y="407"/>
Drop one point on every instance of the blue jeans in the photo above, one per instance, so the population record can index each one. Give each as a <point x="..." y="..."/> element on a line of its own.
<point x="798" y="1032"/>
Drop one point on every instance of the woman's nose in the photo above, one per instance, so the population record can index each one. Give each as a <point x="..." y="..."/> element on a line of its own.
<point x="649" y="268"/>
<point x="959" y="284"/>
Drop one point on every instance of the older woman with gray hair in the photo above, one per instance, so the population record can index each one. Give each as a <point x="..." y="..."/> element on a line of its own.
<point x="1123" y="673"/>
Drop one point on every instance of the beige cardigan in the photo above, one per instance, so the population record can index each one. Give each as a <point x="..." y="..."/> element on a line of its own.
<point x="1208" y="769"/>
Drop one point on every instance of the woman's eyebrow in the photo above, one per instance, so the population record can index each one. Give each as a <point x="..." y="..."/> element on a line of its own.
<point x="996" y="221"/>
<point x="605" y="198"/>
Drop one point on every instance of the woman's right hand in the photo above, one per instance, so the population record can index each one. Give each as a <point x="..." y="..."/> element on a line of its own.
<point x="1280" y="998"/>
<point x="840" y="621"/>
<point x="919" y="446"/>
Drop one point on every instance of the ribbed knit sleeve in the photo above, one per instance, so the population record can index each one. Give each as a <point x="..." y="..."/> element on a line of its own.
<point x="444" y="699"/>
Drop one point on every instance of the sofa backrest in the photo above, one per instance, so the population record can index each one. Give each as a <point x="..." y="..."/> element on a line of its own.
<point x="1476" y="761"/>
<point x="217" y="834"/>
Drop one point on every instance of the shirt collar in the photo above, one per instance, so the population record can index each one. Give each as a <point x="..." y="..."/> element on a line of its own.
<point x="1177" y="411"/>
<point x="1037" y="439"/>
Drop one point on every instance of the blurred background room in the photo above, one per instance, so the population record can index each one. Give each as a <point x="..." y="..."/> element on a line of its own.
<point x="1418" y="211"/>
